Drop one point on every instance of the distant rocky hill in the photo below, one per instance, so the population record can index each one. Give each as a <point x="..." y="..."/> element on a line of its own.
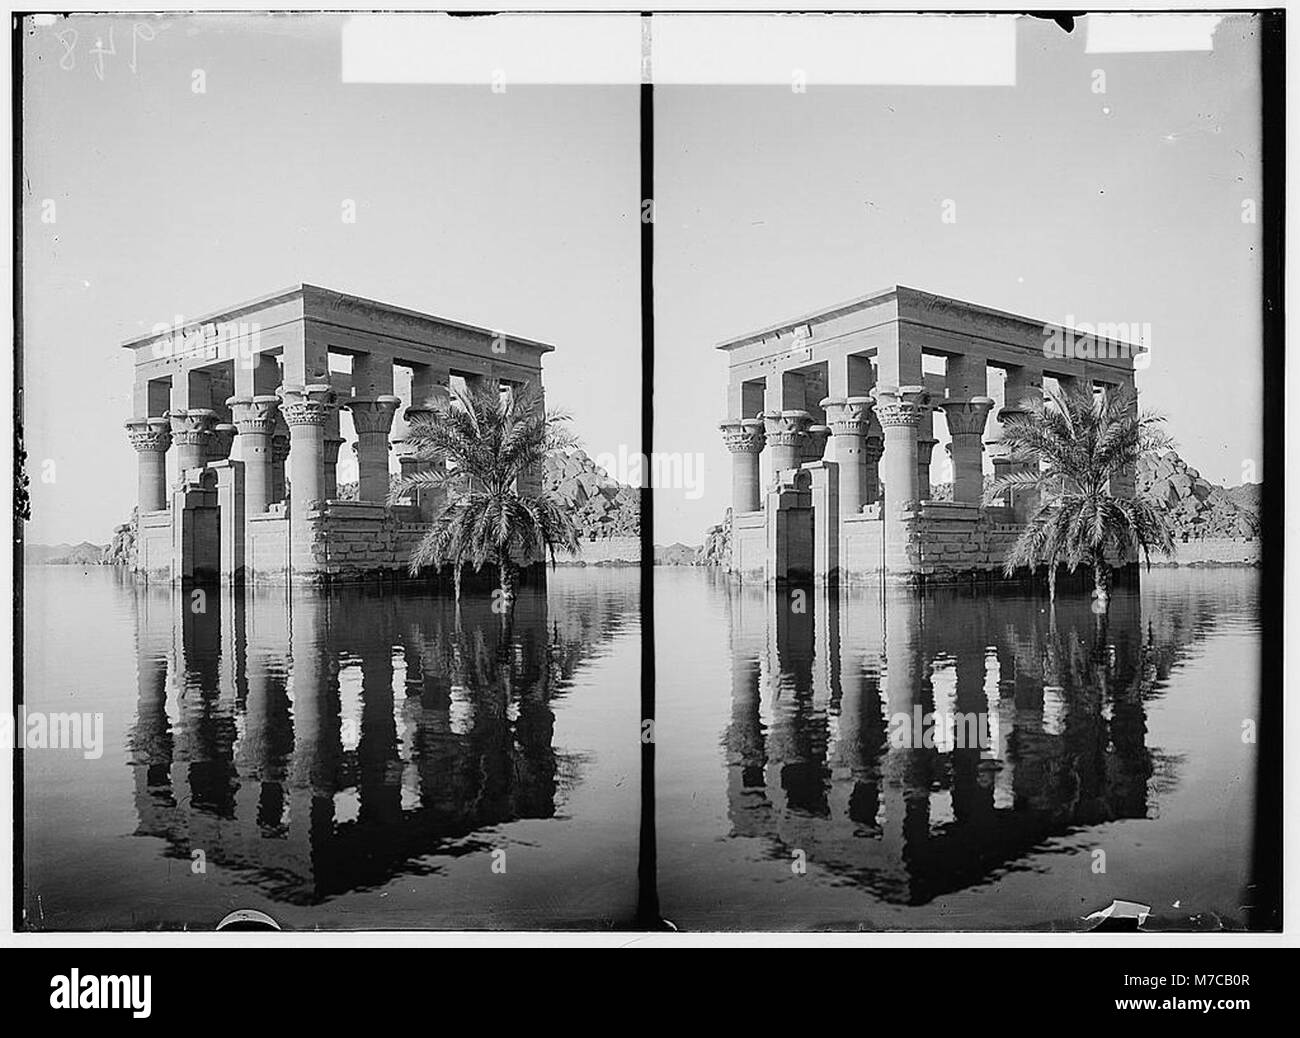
<point x="83" y="554"/>
<point x="676" y="555"/>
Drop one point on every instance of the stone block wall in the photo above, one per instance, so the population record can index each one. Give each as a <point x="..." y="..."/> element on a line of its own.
<point x="749" y="546"/>
<point x="949" y="543"/>
<point x="354" y="541"/>
<point x="266" y="552"/>
<point x="154" y="546"/>
<point x="861" y="549"/>
<point x="345" y="541"/>
<point x="946" y="543"/>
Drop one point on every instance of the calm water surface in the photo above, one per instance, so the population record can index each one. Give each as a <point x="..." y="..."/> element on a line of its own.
<point x="335" y="760"/>
<point x="1117" y="748"/>
<point x="356" y="759"/>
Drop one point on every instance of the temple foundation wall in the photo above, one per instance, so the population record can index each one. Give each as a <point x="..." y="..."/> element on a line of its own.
<point x="933" y="543"/>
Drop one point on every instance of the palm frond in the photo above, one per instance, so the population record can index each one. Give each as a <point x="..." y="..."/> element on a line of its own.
<point x="1080" y="444"/>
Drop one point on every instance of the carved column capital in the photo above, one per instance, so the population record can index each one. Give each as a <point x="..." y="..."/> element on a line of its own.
<point x="848" y="416"/>
<point x="254" y="414"/>
<point x="967" y="417"/>
<point x="374" y="415"/>
<point x="786" y="428"/>
<point x="307" y="405"/>
<point x="150" y="435"/>
<point x="744" y="435"/>
<point x="900" y="406"/>
<point x="924" y="449"/>
<point x="279" y="448"/>
<point x="193" y="427"/>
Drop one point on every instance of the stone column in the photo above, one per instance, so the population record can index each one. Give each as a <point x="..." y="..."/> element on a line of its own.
<point x="745" y="439"/>
<point x="924" y="452"/>
<point x="333" y="441"/>
<point x="849" y="419"/>
<point x="1124" y="483"/>
<point x="372" y="419"/>
<point x="223" y="439"/>
<point x="430" y="500"/>
<point x="786" y="432"/>
<point x="255" y="419"/>
<point x="873" y="450"/>
<point x="150" y="437"/>
<point x="1021" y="502"/>
<point x="331" y="475"/>
<point x="279" y="455"/>
<point x="191" y="433"/>
<point x="899" y="411"/>
<point x="966" y="419"/>
<point x="925" y="442"/>
<point x="305" y="409"/>
<point x="409" y="465"/>
<point x="1022" y="386"/>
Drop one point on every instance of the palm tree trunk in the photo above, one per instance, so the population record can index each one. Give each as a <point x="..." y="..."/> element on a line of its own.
<point x="456" y="577"/>
<point x="1101" y="582"/>
<point x="506" y="572"/>
<point x="1051" y="582"/>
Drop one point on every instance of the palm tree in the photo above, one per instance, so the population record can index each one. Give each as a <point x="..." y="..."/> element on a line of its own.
<point x="484" y="442"/>
<point x="1082" y="442"/>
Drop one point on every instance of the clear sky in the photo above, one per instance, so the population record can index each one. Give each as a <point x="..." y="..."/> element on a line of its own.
<point x="1122" y="206"/>
<point x="517" y="210"/>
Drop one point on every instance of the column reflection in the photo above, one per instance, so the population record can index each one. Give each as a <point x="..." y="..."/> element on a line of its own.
<point x="1032" y="723"/>
<point x="319" y="743"/>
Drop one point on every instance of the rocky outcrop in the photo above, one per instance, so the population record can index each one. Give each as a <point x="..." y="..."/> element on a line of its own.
<point x="717" y="544"/>
<point x="676" y="555"/>
<point x="1196" y="508"/>
<point x="120" y="551"/>
<point x="601" y="507"/>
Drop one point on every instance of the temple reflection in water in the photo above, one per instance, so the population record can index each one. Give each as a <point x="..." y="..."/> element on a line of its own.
<point x="819" y="676"/>
<point x="317" y="744"/>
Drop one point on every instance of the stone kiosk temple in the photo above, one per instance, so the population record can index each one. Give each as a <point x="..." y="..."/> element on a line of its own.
<point x="832" y="427"/>
<point x="247" y="404"/>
